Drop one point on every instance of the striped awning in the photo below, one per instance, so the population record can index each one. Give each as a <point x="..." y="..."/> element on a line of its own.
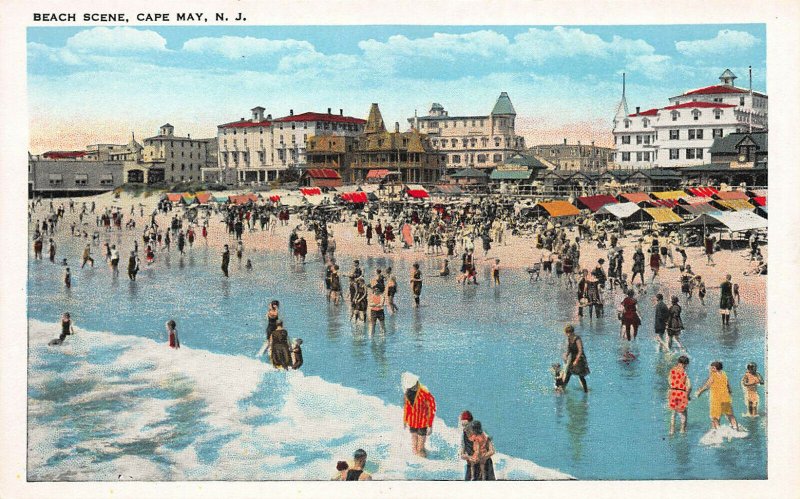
<point x="731" y="195"/>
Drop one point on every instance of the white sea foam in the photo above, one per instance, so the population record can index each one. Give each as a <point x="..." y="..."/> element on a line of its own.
<point x="717" y="437"/>
<point x="216" y="417"/>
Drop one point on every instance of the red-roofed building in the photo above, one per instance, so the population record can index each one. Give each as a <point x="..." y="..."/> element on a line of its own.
<point x="681" y="133"/>
<point x="320" y="177"/>
<point x="261" y="149"/>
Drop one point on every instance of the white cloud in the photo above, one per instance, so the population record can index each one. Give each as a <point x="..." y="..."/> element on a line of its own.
<point x="53" y="54"/>
<point x="444" y="46"/>
<point x="235" y="47"/>
<point x="726" y="41"/>
<point x="118" y="39"/>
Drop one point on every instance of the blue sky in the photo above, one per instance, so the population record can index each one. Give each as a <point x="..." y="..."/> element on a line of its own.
<point x="97" y="84"/>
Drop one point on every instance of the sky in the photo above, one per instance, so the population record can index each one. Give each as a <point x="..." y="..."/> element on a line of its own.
<point x="93" y="85"/>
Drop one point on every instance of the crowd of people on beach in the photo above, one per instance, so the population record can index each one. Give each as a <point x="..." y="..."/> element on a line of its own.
<point x="436" y="234"/>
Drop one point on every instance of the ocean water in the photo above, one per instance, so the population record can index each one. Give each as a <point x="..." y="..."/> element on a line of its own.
<point x="117" y="401"/>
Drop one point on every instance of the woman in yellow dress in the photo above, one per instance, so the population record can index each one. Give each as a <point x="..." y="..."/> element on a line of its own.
<point x="719" y="396"/>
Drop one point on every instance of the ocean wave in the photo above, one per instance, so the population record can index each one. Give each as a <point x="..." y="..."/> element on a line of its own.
<point x="107" y="406"/>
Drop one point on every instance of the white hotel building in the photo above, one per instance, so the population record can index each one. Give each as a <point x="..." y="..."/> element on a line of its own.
<point x="682" y="133"/>
<point x="472" y="141"/>
<point x="261" y="148"/>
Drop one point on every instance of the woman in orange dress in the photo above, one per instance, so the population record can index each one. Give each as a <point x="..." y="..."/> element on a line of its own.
<point x="678" y="394"/>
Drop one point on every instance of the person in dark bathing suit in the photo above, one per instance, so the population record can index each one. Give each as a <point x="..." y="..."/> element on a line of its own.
<point x="575" y="359"/>
<point x="416" y="284"/>
<point x="226" y="260"/>
<point x="281" y="357"/>
<point x="356" y="472"/>
<point x="66" y="330"/>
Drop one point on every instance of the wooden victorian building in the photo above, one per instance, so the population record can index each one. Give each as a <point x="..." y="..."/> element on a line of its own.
<point x="409" y="153"/>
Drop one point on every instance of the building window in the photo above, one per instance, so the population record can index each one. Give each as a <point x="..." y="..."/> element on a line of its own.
<point x="696" y="115"/>
<point x="456" y="158"/>
<point x="717" y="114"/>
<point x="638" y="139"/>
<point x="646" y="140"/>
<point x="627" y="123"/>
<point x="690" y="153"/>
<point x="645" y="122"/>
<point x="674" y="134"/>
<point x="698" y="153"/>
<point x="716" y="133"/>
<point x="465" y="143"/>
<point x="741" y="101"/>
<point x="626" y="139"/>
<point x="699" y="133"/>
<point x="646" y="155"/>
<point x="453" y="142"/>
<point x="626" y="156"/>
<point x="497" y="158"/>
<point x="673" y="154"/>
<point x="481" y="158"/>
<point x="675" y="115"/>
<point x="638" y="156"/>
<point x="691" y="134"/>
<point x="106" y="179"/>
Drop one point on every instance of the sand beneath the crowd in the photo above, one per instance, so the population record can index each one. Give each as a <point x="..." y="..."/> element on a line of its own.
<point x="515" y="253"/>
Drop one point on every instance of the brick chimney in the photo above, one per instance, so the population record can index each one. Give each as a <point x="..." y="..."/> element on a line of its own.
<point x="396" y="127"/>
<point x="341" y="112"/>
<point x="565" y="141"/>
<point x="637" y="109"/>
<point x="291" y="112"/>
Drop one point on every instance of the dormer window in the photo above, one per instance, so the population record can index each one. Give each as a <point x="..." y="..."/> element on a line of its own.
<point x="717" y="114"/>
<point x="627" y="123"/>
<point x="645" y="122"/>
<point x="675" y="115"/>
<point x="696" y="115"/>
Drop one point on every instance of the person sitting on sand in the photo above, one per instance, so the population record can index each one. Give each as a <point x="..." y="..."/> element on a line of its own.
<point x="297" y="354"/>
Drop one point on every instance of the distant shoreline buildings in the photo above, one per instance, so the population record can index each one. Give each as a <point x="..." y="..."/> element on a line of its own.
<point x="698" y="133"/>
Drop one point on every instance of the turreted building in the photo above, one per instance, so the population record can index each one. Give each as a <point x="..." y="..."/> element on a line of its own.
<point x="472" y="141"/>
<point x="380" y="152"/>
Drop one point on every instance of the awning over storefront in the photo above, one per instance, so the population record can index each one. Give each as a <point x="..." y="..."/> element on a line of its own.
<point x="378" y="173"/>
<point x="416" y="191"/>
<point x="203" y="197"/>
<point x="663" y="215"/>
<point x="174" y="197"/>
<point x="695" y="208"/>
<point x="619" y="210"/>
<point x="734" y="221"/>
<point x="664" y="203"/>
<point x="635" y="197"/>
<point x="759" y="200"/>
<point x="669" y="195"/>
<point x="558" y="209"/>
<point x="311" y="191"/>
<point x="323" y="173"/>
<point x="735" y="205"/>
<point x="705" y="192"/>
<point x="594" y="203"/>
<point x="730" y="195"/>
<point x="355" y="197"/>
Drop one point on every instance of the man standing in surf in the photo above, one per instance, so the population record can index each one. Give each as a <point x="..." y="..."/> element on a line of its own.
<point x="418" y="412"/>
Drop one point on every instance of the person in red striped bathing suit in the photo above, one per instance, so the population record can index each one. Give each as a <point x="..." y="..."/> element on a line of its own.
<point x="418" y="412"/>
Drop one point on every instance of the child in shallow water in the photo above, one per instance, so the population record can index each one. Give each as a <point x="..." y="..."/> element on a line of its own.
<point x="750" y="382"/>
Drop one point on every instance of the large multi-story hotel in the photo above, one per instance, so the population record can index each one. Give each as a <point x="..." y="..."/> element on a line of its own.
<point x="472" y="141"/>
<point x="682" y="133"/>
<point x="259" y="149"/>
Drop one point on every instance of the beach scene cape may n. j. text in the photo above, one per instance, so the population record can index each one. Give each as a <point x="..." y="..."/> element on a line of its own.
<point x="397" y="253"/>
